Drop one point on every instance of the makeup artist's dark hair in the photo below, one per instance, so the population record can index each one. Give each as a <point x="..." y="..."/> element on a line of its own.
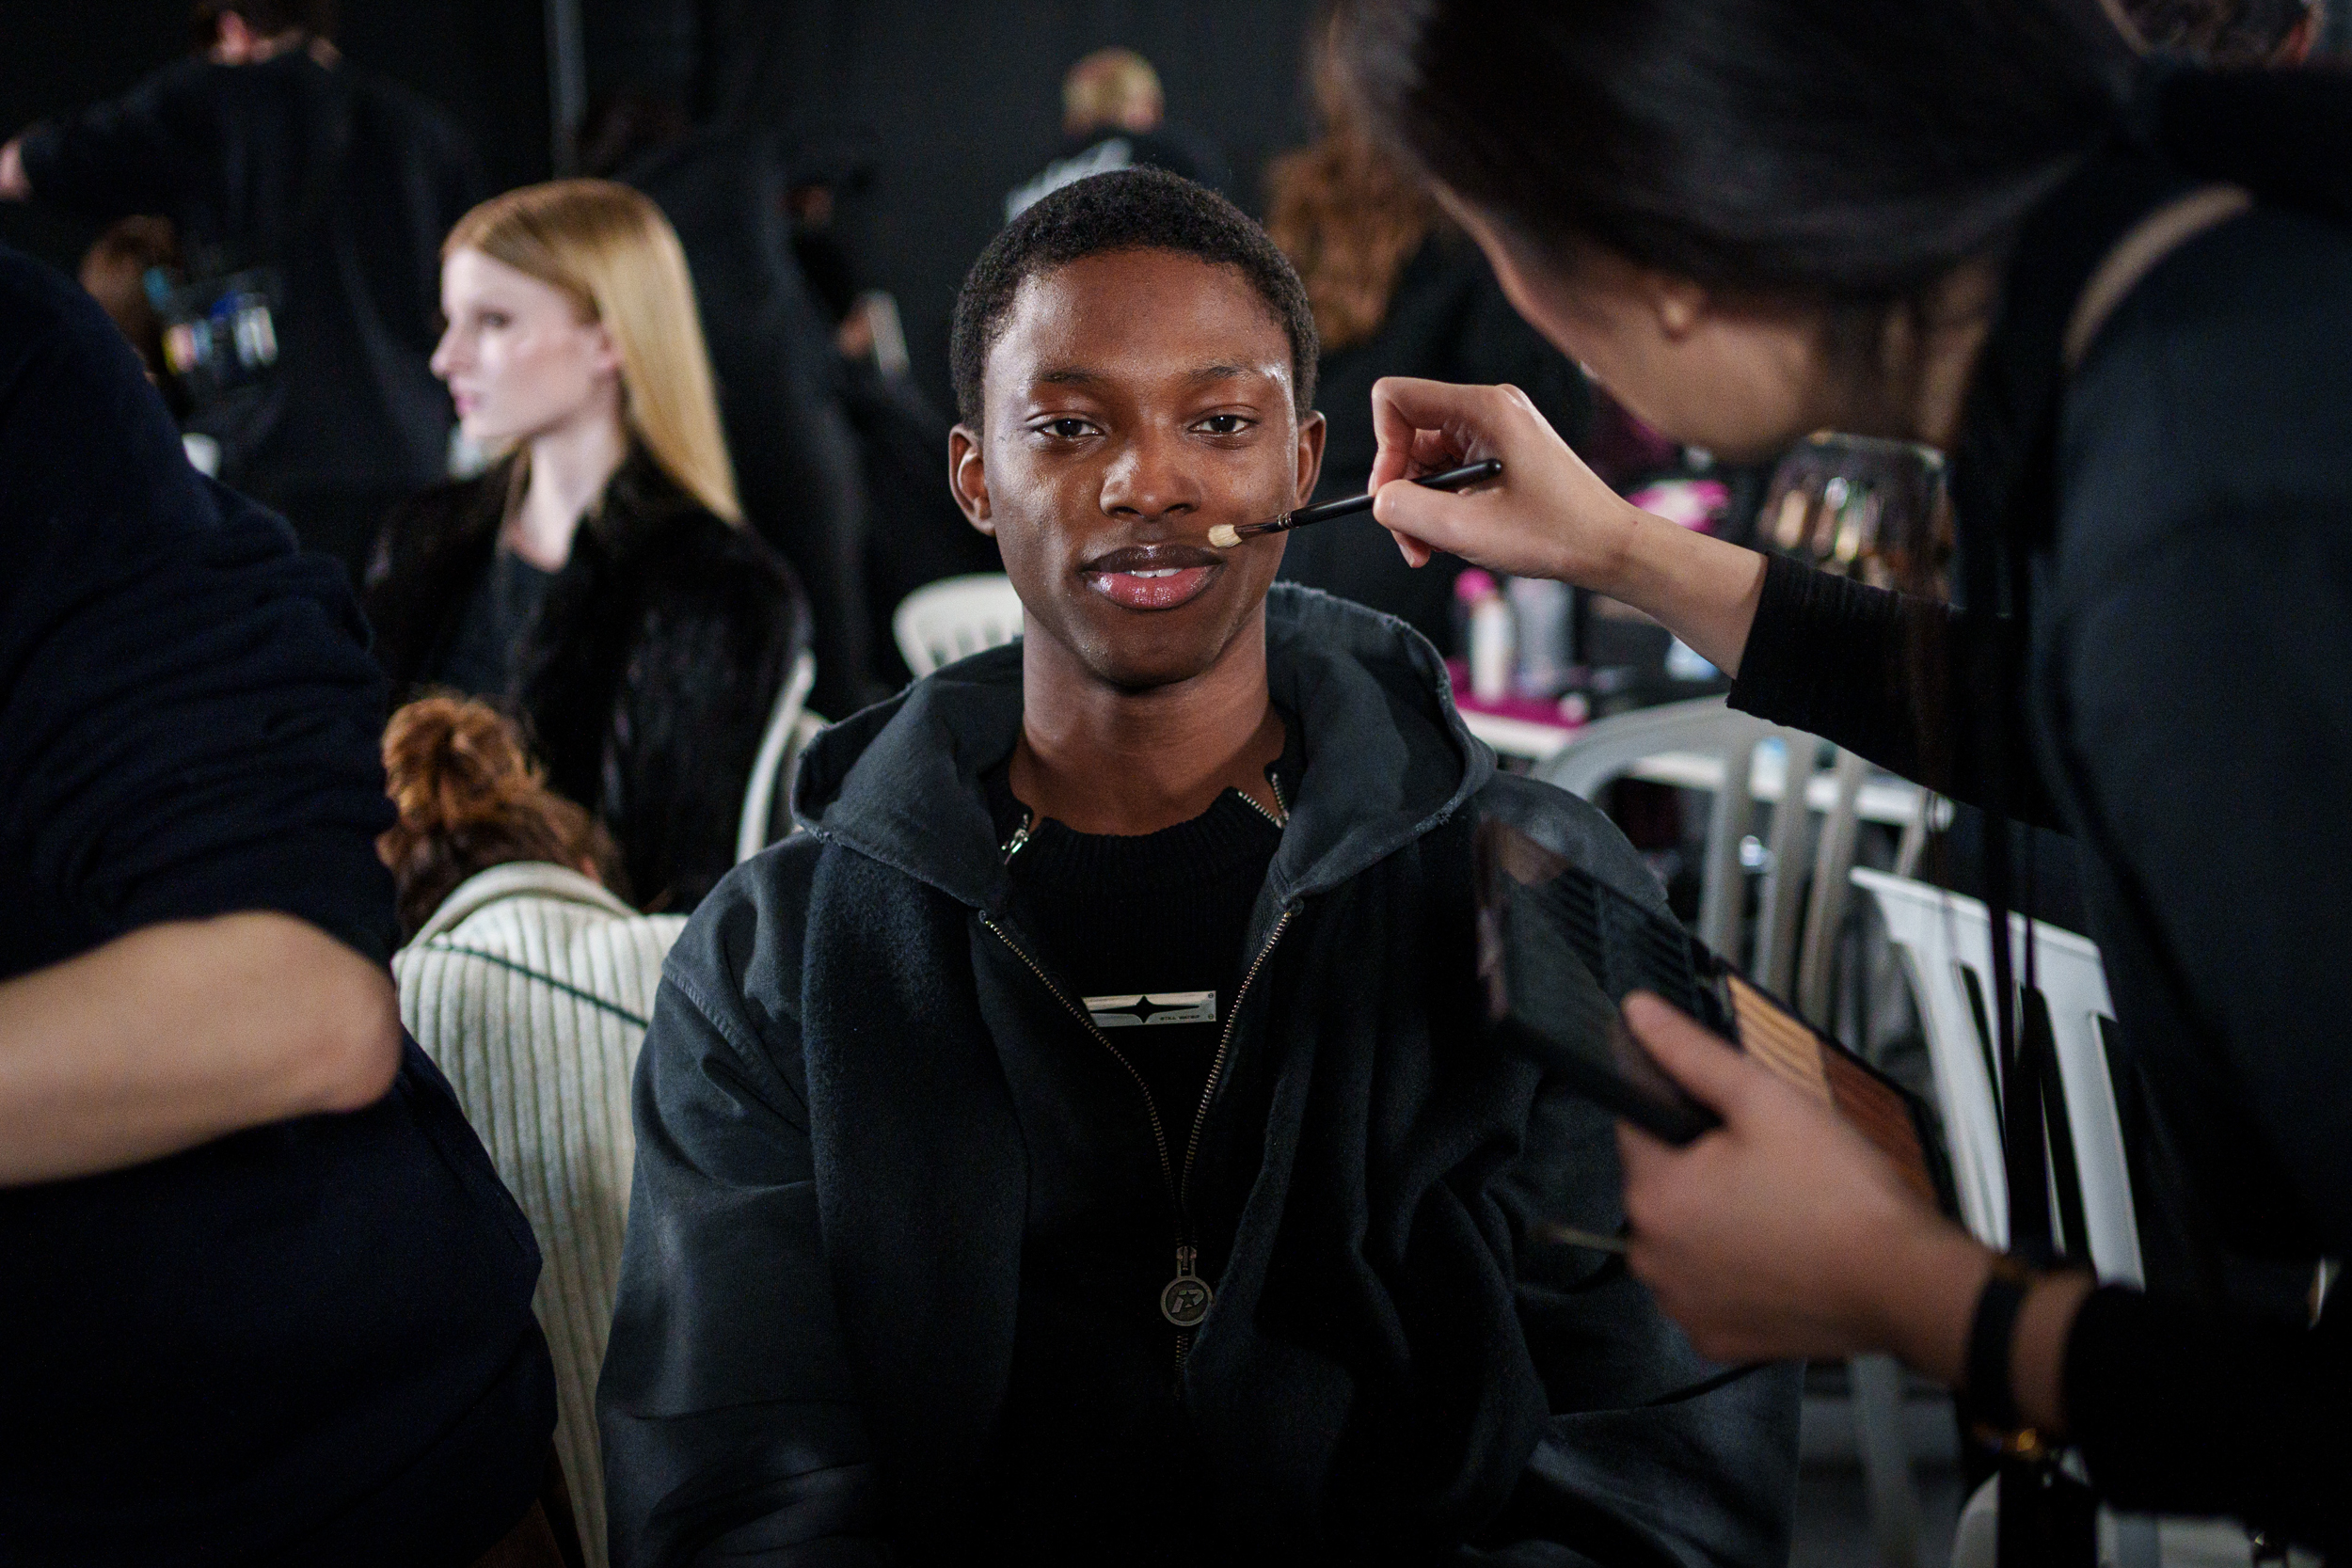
<point x="1837" y="151"/>
<point x="1135" y="209"/>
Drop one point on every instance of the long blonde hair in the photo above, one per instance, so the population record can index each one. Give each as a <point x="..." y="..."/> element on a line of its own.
<point x="616" y="256"/>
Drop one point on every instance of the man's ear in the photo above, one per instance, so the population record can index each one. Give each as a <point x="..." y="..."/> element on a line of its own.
<point x="967" y="478"/>
<point x="1311" y="432"/>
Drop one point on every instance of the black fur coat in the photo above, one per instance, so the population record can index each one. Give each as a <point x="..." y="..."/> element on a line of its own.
<point x="649" y="676"/>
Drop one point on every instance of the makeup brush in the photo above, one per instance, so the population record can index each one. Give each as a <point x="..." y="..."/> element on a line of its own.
<point x="1225" y="535"/>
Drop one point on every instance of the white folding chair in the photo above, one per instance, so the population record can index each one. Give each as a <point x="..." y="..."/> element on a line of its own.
<point x="791" y="728"/>
<point x="1615" y="747"/>
<point x="954" y="618"/>
<point x="1945" y="943"/>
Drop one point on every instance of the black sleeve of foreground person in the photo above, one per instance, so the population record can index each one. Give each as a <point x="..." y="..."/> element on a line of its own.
<point x="310" y="1340"/>
<point x="188" y="713"/>
<point x="732" y="1430"/>
<point x="1835" y="658"/>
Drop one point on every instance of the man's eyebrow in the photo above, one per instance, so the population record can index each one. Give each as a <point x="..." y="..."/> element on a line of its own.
<point x="1078" y="376"/>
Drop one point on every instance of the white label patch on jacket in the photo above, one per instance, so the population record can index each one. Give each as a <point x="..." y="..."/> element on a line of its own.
<point x="1159" y="1007"/>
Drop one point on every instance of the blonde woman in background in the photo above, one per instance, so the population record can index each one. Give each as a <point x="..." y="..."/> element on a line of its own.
<point x="530" y="985"/>
<point x="597" y="581"/>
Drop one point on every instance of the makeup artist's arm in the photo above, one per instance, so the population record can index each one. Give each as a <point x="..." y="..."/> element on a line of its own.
<point x="1550" y="515"/>
<point x="183" y="1032"/>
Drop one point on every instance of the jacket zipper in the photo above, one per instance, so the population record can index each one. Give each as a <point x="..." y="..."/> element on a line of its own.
<point x="1159" y="1134"/>
<point x="1200" y="1117"/>
<point x="1177" y="1179"/>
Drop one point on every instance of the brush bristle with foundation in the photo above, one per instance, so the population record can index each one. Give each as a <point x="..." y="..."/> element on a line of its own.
<point x="1224" y="536"/>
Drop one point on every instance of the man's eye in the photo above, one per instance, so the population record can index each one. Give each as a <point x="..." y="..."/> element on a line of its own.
<point x="1066" y="429"/>
<point x="1225" y="425"/>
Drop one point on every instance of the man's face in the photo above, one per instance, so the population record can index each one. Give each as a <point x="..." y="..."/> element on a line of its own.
<point x="1133" y="400"/>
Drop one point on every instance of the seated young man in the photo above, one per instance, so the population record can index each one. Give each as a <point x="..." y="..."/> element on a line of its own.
<point x="1081" y="1143"/>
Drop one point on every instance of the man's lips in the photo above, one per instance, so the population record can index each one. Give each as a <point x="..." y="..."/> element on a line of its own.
<point x="1153" y="577"/>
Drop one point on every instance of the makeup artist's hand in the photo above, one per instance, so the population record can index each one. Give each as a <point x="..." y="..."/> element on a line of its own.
<point x="1549" y="515"/>
<point x="1784" y="1232"/>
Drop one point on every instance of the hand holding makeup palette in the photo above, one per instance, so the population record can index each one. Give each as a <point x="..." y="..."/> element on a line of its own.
<point x="1557" y="953"/>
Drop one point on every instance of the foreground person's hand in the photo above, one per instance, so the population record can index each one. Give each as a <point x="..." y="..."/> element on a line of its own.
<point x="1784" y="1234"/>
<point x="1548" y="517"/>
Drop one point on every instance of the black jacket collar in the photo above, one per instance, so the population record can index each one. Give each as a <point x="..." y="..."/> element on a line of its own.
<point x="1388" y="757"/>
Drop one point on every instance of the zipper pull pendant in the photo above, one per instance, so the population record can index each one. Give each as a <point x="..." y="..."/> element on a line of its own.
<point x="1186" y="1299"/>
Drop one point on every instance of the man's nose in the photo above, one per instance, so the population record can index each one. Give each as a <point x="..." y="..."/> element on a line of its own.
<point x="1151" y="479"/>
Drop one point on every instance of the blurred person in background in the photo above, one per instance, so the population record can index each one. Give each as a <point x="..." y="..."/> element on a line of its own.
<point x="2231" y="32"/>
<point x="529" y="985"/>
<point x="268" y="150"/>
<point x="1115" y="116"/>
<point x="1397" y="290"/>
<point x="797" y="461"/>
<point x="599" y="577"/>
<point x="264" y="1298"/>
<point x="913" y="534"/>
<point x="114" y="272"/>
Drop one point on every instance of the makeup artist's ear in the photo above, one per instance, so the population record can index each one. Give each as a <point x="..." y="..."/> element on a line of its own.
<point x="1311" y="431"/>
<point x="967" y="478"/>
<point x="1678" y="303"/>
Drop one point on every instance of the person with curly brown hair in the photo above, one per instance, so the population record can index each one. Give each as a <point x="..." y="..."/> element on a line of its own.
<point x="529" y="983"/>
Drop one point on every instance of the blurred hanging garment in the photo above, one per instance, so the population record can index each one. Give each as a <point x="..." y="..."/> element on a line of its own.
<point x="530" y="988"/>
<point x="338" y="185"/>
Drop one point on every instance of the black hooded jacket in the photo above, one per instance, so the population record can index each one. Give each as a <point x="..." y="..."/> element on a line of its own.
<point x="817" y="1311"/>
<point x="649" y="676"/>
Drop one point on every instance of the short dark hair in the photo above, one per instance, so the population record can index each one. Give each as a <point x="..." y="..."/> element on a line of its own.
<point x="1848" y="150"/>
<point x="1134" y="209"/>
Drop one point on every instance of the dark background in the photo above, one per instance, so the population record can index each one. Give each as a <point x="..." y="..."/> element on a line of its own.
<point x="958" y="101"/>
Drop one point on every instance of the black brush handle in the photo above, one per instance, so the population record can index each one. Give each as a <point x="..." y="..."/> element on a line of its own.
<point x="1450" y="478"/>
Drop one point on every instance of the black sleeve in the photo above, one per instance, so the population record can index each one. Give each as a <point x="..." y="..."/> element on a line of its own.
<point x="2182" y="1412"/>
<point x="1863" y="667"/>
<point x="188" y="713"/>
<point x="142" y="152"/>
<point x="733" y="1431"/>
<point x="1652" y="1455"/>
